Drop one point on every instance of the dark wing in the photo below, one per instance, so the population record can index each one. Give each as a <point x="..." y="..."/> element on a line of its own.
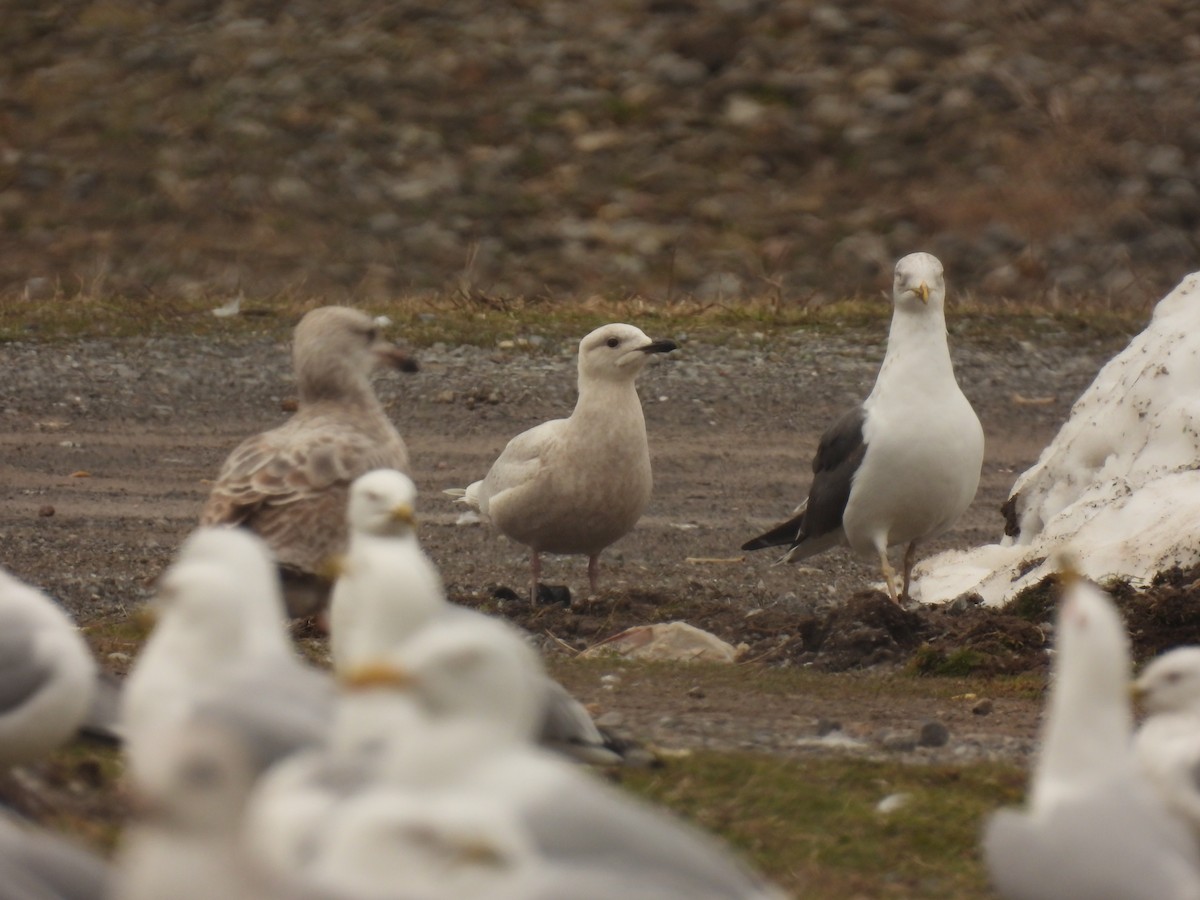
<point x="22" y="674"/>
<point x="838" y="457"/>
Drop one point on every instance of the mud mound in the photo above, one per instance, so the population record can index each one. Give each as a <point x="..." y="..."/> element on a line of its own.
<point x="866" y="631"/>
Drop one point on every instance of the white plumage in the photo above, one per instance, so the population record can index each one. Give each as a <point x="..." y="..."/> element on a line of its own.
<point x="47" y="674"/>
<point x="576" y="485"/>
<point x="905" y="465"/>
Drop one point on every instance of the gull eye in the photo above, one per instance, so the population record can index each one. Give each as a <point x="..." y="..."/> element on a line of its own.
<point x="372" y="335"/>
<point x="613" y="342"/>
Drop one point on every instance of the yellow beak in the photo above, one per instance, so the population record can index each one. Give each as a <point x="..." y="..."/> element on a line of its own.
<point x="922" y="291"/>
<point x="402" y="512"/>
<point x="376" y="675"/>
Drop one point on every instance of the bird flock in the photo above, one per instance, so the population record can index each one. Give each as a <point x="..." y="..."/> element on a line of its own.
<point x="436" y="758"/>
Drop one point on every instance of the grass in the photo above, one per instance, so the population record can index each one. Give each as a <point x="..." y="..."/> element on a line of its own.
<point x="813" y="826"/>
<point x="810" y="825"/>
<point x="472" y="317"/>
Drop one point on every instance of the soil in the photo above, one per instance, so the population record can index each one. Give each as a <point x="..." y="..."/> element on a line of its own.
<point x="107" y="447"/>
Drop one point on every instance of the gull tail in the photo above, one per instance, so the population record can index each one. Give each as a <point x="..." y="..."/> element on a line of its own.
<point x="468" y="495"/>
<point x="788" y="533"/>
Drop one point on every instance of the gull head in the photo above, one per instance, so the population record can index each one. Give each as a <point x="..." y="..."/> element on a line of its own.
<point x="463" y="668"/>
<point x="204" y="602"/>
<point x="919" y="283"/>
<point x="383" y="503"/>
<point x="1092" y="643"/>
<point x="335" y="349"/>
<point x="618" y="352"/>
<point x="1171" y="682"/>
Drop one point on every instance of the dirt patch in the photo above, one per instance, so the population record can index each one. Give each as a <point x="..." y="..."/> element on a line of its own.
<point x="732" y="427"/>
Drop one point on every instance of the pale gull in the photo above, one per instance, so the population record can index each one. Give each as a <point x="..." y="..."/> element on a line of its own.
<point x="184" y="840"/>
<point x="47" y="674"/>
<point x="576" y="485"/>
<point x="459" y="802"/>
<point x="1168" y="742"/>
<point x="220" y="649"/>
<point x="38" y="865"/>
<point x="1094" y="826"/>
<point x="904" y="465"/>
<point x="289" y="485"/>
<point x="388" y="590"/>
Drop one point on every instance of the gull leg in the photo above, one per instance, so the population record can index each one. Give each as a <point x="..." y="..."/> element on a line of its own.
<point x="910" y="557"/>
<point x="889" y="574"/>
<point x="593" y="571"/>
<point x="535" y="564"/>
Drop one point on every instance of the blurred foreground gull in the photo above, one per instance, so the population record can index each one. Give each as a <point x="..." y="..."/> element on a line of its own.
<point x="289" y="484"/>
<point x="430" y="781"/>
<point x="389" y="590"/>
<point x="1168" y="743"/>
<point x="576" y="485"/>
<point x="184" y="842"/>
<point x="903" y="466"/>
<point x="47" y="674"/>
<point x="38" y="865"/>
<point x="220" y="650"/>
<point x="1094" y="825"/>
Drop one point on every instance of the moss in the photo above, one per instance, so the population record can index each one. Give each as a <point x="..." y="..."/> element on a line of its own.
<point x="1037" y="602"/>
<point x="928" y="660"/>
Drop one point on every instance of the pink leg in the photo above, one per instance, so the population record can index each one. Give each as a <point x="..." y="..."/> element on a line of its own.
<point x="593" y="571"/>
<point x="536" y="566"/>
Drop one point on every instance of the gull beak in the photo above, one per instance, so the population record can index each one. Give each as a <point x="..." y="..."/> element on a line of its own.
<point x="922" y="291"/>
<point x="393" y="356"/>
<point x="660" y="347"/>
<point x="376" y="675"/>
<point x="402" y="512"/>
<point x="333" y="568"/>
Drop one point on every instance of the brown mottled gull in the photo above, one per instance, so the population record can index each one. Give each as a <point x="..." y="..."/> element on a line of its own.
<point x="290" y="484"/>
<point x="576" y="485"/>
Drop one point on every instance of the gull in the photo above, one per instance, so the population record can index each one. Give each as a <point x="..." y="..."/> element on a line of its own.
<point x="388" y="590"/>
<point x="289" y="484"/>
<point x="387" y="587"/>
<point x="1167" y="744"/>
<point x="1094" y="825"/>
<point x="47" y="674"/>
<point x="38" y="865"/>
<point x="904" y="465"/>
<point x="576" y="485"/>
<point x="220" y="649"/>
<point x="452" y="796"/>
<point x="184" y="841"/>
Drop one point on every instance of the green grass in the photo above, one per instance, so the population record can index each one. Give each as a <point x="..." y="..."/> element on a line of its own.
<point x="812" y="825"/>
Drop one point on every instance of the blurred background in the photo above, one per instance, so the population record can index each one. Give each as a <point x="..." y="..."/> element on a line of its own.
<point x="722" y="151"/>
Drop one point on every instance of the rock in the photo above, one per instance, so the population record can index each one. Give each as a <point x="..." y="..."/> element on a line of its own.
<point x="933" y="734"/>
<point x="897" y="741"/>
<point x="982" y="707"/>
<point x="671" y="641"/>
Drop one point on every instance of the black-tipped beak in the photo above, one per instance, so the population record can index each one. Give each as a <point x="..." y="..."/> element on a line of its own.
<point x="398" y="359"/>
<point x="660" y="347"/>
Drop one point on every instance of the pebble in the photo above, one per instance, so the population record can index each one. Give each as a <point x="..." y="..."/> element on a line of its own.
<point x="933" y="734"/>
<point x="982" y="707"/>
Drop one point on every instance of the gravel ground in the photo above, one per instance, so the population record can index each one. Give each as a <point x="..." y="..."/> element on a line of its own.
<point x="108" y="445"/>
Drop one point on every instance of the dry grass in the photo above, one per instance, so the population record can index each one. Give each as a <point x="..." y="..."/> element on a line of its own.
<point x="479" y="318"/>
